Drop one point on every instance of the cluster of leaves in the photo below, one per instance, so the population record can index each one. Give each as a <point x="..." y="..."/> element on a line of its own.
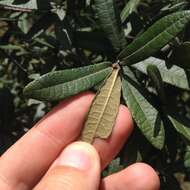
<point x="142" y="42"/>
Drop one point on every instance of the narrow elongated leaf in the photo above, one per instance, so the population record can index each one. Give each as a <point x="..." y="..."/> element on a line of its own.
<point x="145" y="115"/>
<point x="104" y="109"/>
<point x="128" y="9"/>
<point x="174" y="75"/>
<point x="187" y="157"/>
<point x="156" y="78"/>
<point x="180" y="127"/>
<point x="158" y="35"/>
<point x="61" y="84"/>
<point x="110" y="22"/>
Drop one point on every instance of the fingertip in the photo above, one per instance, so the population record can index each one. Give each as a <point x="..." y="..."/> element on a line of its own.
<point x="80" y="155"/>
<point x="138" y="176"/>
<point x="145" y="175"/>
<point x="77" y="167"/>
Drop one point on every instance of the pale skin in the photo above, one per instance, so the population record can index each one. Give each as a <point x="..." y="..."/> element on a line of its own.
<point x="49" y="157"/>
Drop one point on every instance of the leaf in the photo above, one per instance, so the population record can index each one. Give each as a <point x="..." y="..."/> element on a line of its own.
<point x="175" y="75"/>
<point x="180" y="126"/>
<point x="157" y="36"/>
<point x="146" y="116"/>
<point x="187" y="157"/>
<point x="128" y="9"/>
<point x="104" y="109"/>
<point x="181" y="56"/>
<point x="58" y="85"/>
<point x="156" y="78"/>
<point x="110" y="22"/>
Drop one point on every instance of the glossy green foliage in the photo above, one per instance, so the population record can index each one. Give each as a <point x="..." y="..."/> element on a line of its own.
<point x="173" y="75"/>
<point x="145" y="115"/>
<point x="157" y="36"/>
<point x="110" y="22"/>
<point x="61" y="84"/>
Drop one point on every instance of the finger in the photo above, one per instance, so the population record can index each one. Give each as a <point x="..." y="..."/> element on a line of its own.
<point x="78" y="167"/>
<point x="34" y="152"/>
<point x="136" y="177"/>
<point x="110" y="147"/>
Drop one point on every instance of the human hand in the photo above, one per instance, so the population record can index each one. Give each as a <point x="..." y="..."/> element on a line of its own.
<point x="46" y="158"/>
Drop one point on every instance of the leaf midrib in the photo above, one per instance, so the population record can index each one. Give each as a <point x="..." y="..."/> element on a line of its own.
<point x="149" y="122"/>
<point x="154" y="39"/>
<point x="183" y="128"/>
<point x="79" y="78"/>
<point x="114" y="29"/>
<point x="107" y="100"/>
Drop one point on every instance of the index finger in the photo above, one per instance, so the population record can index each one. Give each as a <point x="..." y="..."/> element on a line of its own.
<point x="36" y="150"/>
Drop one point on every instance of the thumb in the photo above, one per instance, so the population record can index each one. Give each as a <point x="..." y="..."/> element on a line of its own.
<point x="77" y="167"/>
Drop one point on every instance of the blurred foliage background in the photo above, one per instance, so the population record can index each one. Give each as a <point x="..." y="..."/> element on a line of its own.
<point x="65" y="34"/>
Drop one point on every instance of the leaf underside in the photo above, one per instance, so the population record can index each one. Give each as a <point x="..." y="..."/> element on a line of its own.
<point x="157" y="36"/>
<point x="146" y="116"/>
<point x="104" y="109"/>
<point x="61" y="84"/>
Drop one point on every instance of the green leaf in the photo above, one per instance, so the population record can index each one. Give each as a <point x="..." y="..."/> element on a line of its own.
<point x="181" y="56"/>
<point x="157" y="36"/>
<point x="187" y="157"/>
<point x="128" y="9"/>
<point x="180" y="126"/>
<point x="58" y="85"/>
<point x="145" y="115"/>
<point x="156" y="78"/>
<point x="110" y="22"/>
<point x="104" y="109"/>
<point x="174" y="75"/>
